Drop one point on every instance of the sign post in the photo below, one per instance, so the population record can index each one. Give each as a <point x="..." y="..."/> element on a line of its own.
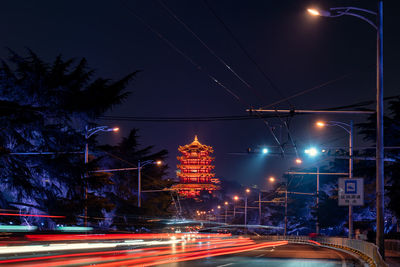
<point x="351" y="192"/>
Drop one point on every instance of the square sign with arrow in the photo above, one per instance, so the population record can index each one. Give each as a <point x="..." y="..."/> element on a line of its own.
<point x="351" y="192"/>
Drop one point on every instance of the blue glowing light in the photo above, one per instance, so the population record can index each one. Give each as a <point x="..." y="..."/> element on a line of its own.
<point x="265" y="150"/>
<point x="312" y="152"/>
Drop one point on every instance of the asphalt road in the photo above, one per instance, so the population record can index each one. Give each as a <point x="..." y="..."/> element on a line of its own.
<point x="288" y="256"/>
<point x="115" y="250"/>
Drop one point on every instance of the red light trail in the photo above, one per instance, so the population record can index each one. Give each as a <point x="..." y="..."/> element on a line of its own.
<point x="31" y="215"/>
<point x="182" y="250"/>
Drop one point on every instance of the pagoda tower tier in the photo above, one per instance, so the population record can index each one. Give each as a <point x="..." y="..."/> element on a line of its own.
<point x="195" y="170"/>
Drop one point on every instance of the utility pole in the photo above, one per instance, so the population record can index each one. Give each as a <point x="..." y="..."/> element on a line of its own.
<point x="286" y="203"/>
<point x="139" y="201"/>
<point x="317" y="222"/>
<point x="259" y="208"/>
<point x="245" y="213"/>
<point x="380" y="178"/>
<point x="226" y="212"/>
<point x="285" y="213"/>
<point x="351" y="176"/>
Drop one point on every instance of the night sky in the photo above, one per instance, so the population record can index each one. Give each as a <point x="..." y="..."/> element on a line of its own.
<point x="295" y="50"/>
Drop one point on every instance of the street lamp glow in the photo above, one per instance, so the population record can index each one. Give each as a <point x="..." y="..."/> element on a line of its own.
<point x="226" y="203"/>
<point x="271" y="179"/>
<point x="158" y="162"/>
<point x="247" y="190"/>
<point x="320" y="124"/>
<point x="298" y="161"/>
<point x="313" y="11"/>
<point x="312" y="152"/>
<point x="236" y="198"/>
<point x="265" y="150"/>
<point x="219" y="207"/>
<point x="115" y="129"/>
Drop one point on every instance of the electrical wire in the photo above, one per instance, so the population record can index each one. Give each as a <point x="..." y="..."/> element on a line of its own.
<point x="212" y="52"/>
<point x="185" y="119"/>
<point x="313" y="88"/>
<point x="246" y="53"/>
<point x="172" y="14"/>
<point x="179" y="51"/>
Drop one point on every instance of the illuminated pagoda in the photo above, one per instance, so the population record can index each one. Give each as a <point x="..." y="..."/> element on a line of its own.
<point x="195" y="170"/>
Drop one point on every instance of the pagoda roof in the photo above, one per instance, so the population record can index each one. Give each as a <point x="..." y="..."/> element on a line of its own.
<point x="195" y="187"/>
<point x="195" y="174"/>
<point x="194" y="167"/>
<point x="195" y="145"/>
<point x="206" y="158"/>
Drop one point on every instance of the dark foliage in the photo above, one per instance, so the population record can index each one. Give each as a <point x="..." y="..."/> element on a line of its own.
<point x="44" y="108"/>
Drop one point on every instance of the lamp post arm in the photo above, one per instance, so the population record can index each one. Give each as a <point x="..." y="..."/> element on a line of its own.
<point x="144" y="163"/>
<point x="360" y="17"/>
<point x="341" y="125"/>
<point x="354" y="8"/>
<point x="90" y="132"/>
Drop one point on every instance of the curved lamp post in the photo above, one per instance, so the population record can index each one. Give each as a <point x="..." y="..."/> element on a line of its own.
<point x="348" y="127"/>
<point x="359" y="13"/>
<point x="88" y="134"/>
<point x="139" y="167"/>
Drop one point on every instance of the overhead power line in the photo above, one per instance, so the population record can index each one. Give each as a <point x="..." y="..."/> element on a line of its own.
<point x="247" y="54"/>
<point x="186" y="119"/>
<point x="198" y="67"/>
<point x="212" y="52"/>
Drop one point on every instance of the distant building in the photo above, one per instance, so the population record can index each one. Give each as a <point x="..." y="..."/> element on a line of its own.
<point x="195" y="170"/>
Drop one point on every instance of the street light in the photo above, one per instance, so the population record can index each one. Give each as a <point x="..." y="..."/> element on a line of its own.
<point x="245" y="208"/>
<point x="271" y="179"/>
<point x="318" y="12"/>
<point x="88" y="134"/>
<point x="349" y="129"/>
<point x="226" y="210"/>
<point x="298" y="161"/>
<point x="235" y="198"/>
<point x="140" y="166"/>
<point x="265" y="151"/>
<point x="380" y="194"/>
<point x="312" y="152"/>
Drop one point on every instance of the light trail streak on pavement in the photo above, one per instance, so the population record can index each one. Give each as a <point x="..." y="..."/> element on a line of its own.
<point x="109" y="252"/>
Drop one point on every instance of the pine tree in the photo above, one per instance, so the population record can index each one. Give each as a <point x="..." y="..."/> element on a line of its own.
<point x="45" y="107"/>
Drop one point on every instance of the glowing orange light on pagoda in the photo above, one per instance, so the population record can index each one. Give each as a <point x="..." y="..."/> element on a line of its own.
<point x="195" y="170"/>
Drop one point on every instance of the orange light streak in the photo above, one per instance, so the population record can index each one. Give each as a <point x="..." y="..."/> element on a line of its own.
<point x="189" y="255"/>
<point x="134" y="254"/>
<point x="212" y="254"/>
<point x="117" y="236"/>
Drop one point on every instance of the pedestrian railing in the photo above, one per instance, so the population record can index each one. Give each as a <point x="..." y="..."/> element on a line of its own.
<point x="392" y="246"/>
<point x="368" y="251"/>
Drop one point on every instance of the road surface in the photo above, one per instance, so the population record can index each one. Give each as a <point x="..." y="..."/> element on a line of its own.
<point x="291" y="255"/>
<point x="107" y="250"/>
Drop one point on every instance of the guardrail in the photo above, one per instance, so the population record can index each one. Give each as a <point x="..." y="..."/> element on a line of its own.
<point x="362" y="247"/>
<point x="392" y="246"/>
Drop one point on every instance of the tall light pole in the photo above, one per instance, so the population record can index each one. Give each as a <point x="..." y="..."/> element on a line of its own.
<point x="139" y="168"/>
<point x="235" y="198"/>
<point x="313" y="152"/>
<point x="380" y="179"/>
<point x="88" y="134"/>
<point x="245" y="208"/>
<point x="226" y="210"/>
<point x="348" y="127"/>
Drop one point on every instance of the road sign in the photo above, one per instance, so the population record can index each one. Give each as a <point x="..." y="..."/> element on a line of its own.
<point x="351" y="192"/>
